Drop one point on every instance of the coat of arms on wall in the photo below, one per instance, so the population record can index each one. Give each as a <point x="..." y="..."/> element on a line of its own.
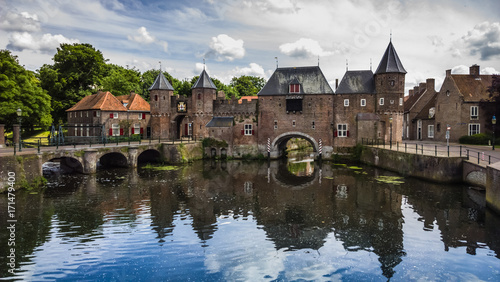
<point x="181" y="107"/>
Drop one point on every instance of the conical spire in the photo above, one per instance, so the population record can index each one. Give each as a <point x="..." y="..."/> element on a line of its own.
<point x="161" y="83"/>
<point x="204" y="81"/>
<point x="390" y="62"/>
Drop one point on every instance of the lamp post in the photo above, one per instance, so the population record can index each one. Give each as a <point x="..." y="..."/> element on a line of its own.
<point x="493" y="122"/>
<point x="19" y="112"/>
<point x="390" y="134"/>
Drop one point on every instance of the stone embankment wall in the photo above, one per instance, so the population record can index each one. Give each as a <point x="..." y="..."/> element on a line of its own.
<point x="436" y="169"/>
<point x="493" y="187"/>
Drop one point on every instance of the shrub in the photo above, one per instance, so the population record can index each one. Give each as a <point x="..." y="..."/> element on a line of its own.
<point x="476" y="139"/>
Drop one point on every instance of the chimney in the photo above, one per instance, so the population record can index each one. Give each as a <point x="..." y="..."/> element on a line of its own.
<point x="474" y="70"/>
<point x="416" y="91"/>
<point x="431" y="84"/>
<point x="410" y="92"/>
<point x="448" y="72"/>
<point x="422" y="86"/>
<point x="336" y="84"/>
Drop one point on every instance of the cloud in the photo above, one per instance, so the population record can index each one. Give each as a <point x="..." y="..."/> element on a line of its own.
<point x="489" y="70"/>
<point x="47" y="43"/>
<point x="253" y="70"/>
<point x="23" y="21"/>
<point x="484" y="39"/>
<point x="142" y="36"/>
<point x="303" y="48"/>
<point x="223" y="47"/>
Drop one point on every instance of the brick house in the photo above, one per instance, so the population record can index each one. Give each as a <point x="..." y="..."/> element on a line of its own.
<point x="103" y="115"/>
<point x="464" y="104"/>
<point x="420" y="106"/>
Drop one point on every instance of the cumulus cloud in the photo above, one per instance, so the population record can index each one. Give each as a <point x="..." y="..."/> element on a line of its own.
<point x="303" y="48"/>
<point x="223" y="47"/>
<point x="460" y="69"/>
<point x="143" y="36"/>
<point x="489" y="70"/>
<point x="253" y="70"/>
<point x="19" y="22"/>
<point x="484" y="40"/>
<point x="47" y="43"/>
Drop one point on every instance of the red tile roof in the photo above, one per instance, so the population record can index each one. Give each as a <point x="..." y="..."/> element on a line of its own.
<point x="248" y="98"/>
<point x="134" y="102"/>
<point x="104" y="101"/>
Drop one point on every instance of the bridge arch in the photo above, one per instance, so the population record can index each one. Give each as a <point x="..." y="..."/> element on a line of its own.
<point x="279" y="143"/>
<point x="149" y="156"/>
<point x="64" y="164"/>
<point x="113" y="159"/>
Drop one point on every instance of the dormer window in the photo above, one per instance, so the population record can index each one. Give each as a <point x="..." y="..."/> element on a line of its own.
<point x="294" y="88"/>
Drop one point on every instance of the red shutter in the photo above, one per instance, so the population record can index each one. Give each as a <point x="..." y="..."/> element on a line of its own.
<point x="297" y="90"/>
<point x="347" y="133"/>
<point x="121" y="131"/>
<point x="95" y="113"/>
<point x="253" y="132"/>
<point x="243" y="132"/>
<point x="142" y="130"/>
<point x="111" y="115"/>
<point x="110" y="132"/>
<point x="186" y="129"/>
<point x="133" y="130"/>
<point x="335" y="133"/>
<point x="143" y="115"/>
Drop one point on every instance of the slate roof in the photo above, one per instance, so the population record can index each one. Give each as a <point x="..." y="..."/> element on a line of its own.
<point x="204" y="81"/>
<point x="424" y="113"/>
<point x="390" y="62"/>
<point x="311" y="80"/>
<point x="161" y="83"/>
<point x="357" y="82"/>
<point x="220" y="122"/>
<point x="134" y="102"/>
<point x="472" y="89"/>
<point x="104" y="101"/>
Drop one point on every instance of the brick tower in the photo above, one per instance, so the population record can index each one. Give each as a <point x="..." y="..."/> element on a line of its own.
<point x="160" y="95"/>
<point x="203" y="96"/>
<point x="390" y="86"/>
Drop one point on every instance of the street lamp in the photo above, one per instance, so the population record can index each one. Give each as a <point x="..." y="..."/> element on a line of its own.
<point x="493" y="122"/>
<point x="390" y="136"/>
<point x="19" y="112"/>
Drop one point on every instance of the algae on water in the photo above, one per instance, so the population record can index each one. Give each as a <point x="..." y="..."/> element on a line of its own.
<point x="390" y="179"/>
<point x="162" y="167"/>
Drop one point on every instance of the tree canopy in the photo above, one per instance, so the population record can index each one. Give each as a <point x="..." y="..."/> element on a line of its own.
<point x="247" y="85"/>
<point x="121" y="81"/>
<point x="19" y="88"/>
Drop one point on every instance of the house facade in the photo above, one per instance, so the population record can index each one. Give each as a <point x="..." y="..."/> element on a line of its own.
<point x="103" y="115"/>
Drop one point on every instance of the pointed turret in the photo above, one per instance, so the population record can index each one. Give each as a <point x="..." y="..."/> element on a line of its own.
<point x="390" y="62"/>
<point x="204" y="81"/>
<point x="161" y="83"/>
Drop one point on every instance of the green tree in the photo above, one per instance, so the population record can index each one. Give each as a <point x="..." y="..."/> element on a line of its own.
<point x="19" y="88"/>
<point x="76" y="72"/>
<point x="247" y="85"/>
<point x="121" y="81"/>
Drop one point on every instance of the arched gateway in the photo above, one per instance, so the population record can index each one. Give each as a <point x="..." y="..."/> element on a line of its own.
<point x="279" y="143"/>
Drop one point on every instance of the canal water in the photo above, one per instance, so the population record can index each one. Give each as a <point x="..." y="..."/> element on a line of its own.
<point x="251" y="221"/>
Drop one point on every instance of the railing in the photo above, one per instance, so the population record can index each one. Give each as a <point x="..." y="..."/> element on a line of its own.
<point x="438" y="150"/>
<point x="42" y="143"/>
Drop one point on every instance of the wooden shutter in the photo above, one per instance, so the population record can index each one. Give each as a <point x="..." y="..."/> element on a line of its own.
<point x="143" y="115"/>
<point x="133" y="130"/>
<point x="142" y="130"/>
<point x="243" y="132"/>
<point x="111" y="132"/>
<point x="121" y="131"/>
<point x="335" y="133"/>
<point x="347" y="133"/>
<point x="111" y="115"/>
<point x="253" y="132"/>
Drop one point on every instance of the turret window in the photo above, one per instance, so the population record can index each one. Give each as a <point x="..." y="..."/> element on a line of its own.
<point x="381" y="102"/>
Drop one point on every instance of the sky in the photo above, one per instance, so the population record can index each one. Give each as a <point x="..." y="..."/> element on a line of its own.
<point x="252" y="37"/>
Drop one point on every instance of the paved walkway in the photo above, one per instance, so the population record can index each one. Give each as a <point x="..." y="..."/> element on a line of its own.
<point x="483" y="155"/>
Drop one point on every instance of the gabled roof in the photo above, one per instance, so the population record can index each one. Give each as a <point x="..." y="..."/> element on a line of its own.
<point x="412" y="99"/>
<point x="311" y="80"/>
<point x="357" y="82"/>
<point x="104" y="101"/>
<point x="220" y="122"/>
<point x="134" y="102"/>
<point x="204" y="81"/>
<point x="473" y="89"/>
<point x="161" y="83"/>
<point x="390" y="62"/>
<point x="424" y="113"/>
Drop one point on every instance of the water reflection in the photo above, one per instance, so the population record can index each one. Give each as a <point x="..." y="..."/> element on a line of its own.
<point x="254" y="215"/>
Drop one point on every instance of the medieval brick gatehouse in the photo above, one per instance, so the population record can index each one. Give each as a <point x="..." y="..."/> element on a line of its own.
<point x="295" y="102"/>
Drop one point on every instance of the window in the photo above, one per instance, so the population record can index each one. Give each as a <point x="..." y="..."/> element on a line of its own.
<point x="115" y="115"/>
<point x="70" y="114"/>
<point x="87" y="113"/>
<point x="438" y="128"/>
<point x="448" y="93"/>
<point x="293" y="123"/>
<point x="98" y="113"/>
<point x="474" y="112"/>
<point x="294" y="105"/>
<point x="156" y="97"/>
<point x="248" y="129"/>
<point x="342" y="130"/>
<point x="115" y="129"/>
<point x="199" y="96"/>
<point x="275" y="124"/>
<point x="363" y="102"/>
<point x="140" y="115"/>
<point x="381" y="102"/>
<point x="81" y="114"/>
<point x="81" y="129"/>
<point x="430" y="131"/>
<point x="400" y="101"/>
<point x="392" y="83"/>
<point x="474" y="128"/>
<point x="294" y="88"/>
<point x="313" y="125"/>
<point x="346" y="102"/>
<point x="136" y="129"/>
